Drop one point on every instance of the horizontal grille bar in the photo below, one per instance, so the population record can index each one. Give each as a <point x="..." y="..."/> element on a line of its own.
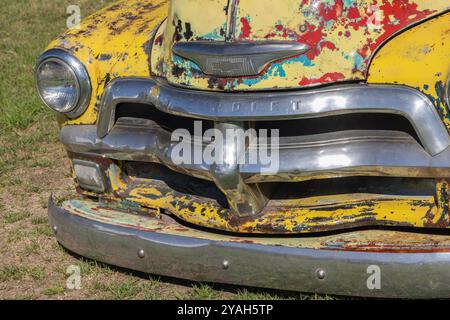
<point x="282" y="105"/>
<point x="339" y="154"/>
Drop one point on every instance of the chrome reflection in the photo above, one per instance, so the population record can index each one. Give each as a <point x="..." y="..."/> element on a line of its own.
<point x="336" y="100"/>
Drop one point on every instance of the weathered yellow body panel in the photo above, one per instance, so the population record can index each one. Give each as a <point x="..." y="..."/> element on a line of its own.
<point x="419" y="58"/>
<point x="117" y="42"/>
<point x="293" y="216"/>
<point x="342" y="35"/>
<point x="303" y="215"/>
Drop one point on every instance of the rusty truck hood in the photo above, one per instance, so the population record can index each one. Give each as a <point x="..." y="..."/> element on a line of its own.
<point x="342" y="37"/>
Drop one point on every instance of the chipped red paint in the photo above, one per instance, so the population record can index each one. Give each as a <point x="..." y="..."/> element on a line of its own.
<point x="404" y="11"/>
<point x="159" y="40"/>
<point x="343" y="37"/>
<point x="246" y="29"/>
<point x="329" y="77"/>
<point x="312" y="37"/>
<point x="329" y="45"/>
<point x="353" y="13"/>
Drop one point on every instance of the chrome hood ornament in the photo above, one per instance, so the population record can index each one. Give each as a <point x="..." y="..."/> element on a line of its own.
<point x="225" y="59"/>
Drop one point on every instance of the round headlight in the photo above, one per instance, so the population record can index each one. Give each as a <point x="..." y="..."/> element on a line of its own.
<point x="63" y="83"/>
<point x="58" y="85"/>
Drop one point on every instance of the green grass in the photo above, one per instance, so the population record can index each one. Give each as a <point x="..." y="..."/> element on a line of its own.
<point x="53" y="291"/>
<point x="45" y="231"/>
<point x="13" y="217"/>
<point x="91" y="267"/>
<point x="33" y="248"/>
<point x="26" y="28"/>
<point x="204" y="292"/>
<point x="127" y="289"/>
<point x="39" y="220"/>
<point x="15" y="235"/>
<point x="256" y="295"/>
<point x="20" y="272"/>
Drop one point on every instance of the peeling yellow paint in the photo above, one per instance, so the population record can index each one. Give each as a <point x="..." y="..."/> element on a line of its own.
<point x="112" y="43"/>
<point x="342" y="35"/>
<point x="419" y="58"/>
<point x="295" y="216"/>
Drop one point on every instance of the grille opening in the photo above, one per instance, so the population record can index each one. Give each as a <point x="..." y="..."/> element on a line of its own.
<point x="287" y="128"/>
<point x="351" y="185"/>
<point x="354" y="121"/>
<point x="177" y="181"/>
<point x="279" y="191"/>
<point x="165" y="120"/>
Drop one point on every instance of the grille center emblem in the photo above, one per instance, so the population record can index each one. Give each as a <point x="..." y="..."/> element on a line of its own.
<point x="239" y="59"/>
<point x="230" y="65"/>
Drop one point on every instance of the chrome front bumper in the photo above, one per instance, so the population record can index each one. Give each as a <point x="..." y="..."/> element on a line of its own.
<point x="410" y="266"/>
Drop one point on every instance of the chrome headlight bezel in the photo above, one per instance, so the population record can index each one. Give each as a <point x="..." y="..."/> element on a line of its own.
<point x="81" y="75"/>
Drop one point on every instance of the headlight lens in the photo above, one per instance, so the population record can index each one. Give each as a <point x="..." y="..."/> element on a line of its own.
<point x="63" y="83"/>
<point x="58" y="85"/>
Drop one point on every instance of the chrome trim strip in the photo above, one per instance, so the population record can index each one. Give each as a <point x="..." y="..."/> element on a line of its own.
<point x="337" y="154"/>
<point x="352" y="153"/>
<point x="403" y="275"/>
<point x="237" y="59"/>
<point x="117" y="92"/>
<point x="130" y="140"/>
<point x="283" y="105"/>
<point x="84" y="82"/>
<point x="231" y="20"/>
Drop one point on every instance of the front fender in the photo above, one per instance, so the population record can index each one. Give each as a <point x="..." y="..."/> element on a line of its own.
<point x="114" y="42"/>
<point x="419" y="58"/>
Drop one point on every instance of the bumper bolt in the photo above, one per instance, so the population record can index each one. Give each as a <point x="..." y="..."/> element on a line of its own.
<point x="141" y="253"/>
<point x="225" y="264"/>
<point x="55" y="229"/>
<point x="321" y="274"/>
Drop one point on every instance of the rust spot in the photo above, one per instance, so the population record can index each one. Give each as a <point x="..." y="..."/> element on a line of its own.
<point x="188" y="33"/>
<point x="104" y="57"/>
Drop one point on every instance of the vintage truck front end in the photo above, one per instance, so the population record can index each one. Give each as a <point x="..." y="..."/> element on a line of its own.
<point x="297" y="145"/>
